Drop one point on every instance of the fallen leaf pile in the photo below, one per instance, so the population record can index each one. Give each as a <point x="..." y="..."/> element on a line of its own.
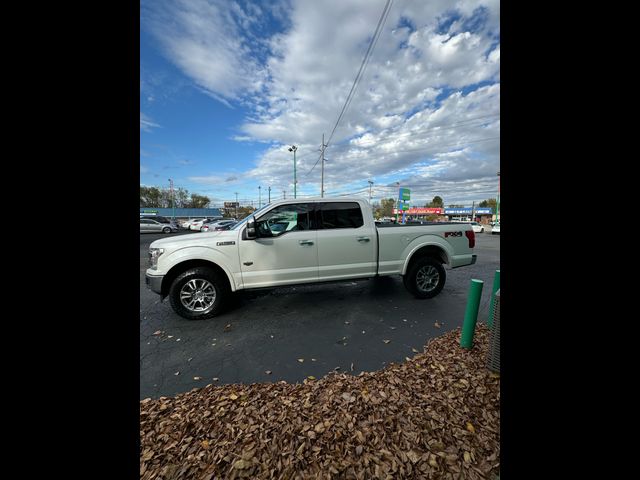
<point x="436" y="415"/>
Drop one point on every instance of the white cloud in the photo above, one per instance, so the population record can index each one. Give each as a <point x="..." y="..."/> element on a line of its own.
<point x="146" y="123"/>
<point x="408" y="112"/>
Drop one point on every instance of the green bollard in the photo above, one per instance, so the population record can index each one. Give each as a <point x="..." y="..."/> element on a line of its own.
<point x="496" y="287"/>
<point x="471" y="315"/>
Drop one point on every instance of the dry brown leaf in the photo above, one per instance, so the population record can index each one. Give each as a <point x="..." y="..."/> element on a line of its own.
<point x="321" y="427"/>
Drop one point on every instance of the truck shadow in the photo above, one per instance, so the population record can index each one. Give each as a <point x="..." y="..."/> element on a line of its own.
<point x="376" y="288"/>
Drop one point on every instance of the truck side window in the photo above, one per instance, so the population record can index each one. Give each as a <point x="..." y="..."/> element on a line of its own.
<point x="340" y="215"/>
<point x="282" y="219"/>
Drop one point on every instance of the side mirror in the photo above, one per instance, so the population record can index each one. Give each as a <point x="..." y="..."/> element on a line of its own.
<point x="251" y="228"/>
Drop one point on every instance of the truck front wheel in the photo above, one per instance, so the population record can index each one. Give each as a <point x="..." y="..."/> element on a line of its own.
<point x="198" y="293"/>
<point x="425" y="278"/>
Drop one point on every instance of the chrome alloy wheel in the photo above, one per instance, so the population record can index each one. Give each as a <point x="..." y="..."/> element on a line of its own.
<point x="198" y="295"/>
<point x="427" y="278"/>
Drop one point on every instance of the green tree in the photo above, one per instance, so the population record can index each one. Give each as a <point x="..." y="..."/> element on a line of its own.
<point x="436" y="202"/>
<point x="245" y="212"/>
<point x="198" y="201"/>
<point x="150" y="197"/>
<point x="181" y="197"/>
<point x="490" y="202"/>
<point x="386" y="207"/>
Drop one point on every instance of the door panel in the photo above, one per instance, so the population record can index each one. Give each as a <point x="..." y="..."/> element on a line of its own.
<point x="286" y="251"/>
<point x="346" y="247"/>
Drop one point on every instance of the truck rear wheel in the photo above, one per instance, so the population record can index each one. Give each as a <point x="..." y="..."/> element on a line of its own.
<point x="425" y="278"/>
<point x="198" y="293"/>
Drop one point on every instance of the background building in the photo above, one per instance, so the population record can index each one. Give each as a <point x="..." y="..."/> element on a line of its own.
<point x="183" y="213"/>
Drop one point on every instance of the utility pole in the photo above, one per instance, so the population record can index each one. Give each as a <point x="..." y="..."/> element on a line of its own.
<point x="269" y="194"/>
<point x="370" y="185"/>
<point x="259" y="196"/>
<point x="322" y="168"/>
<point x="293" y="149"/>
<point x="236" y="205"/>
<point x="473" y="211"/>
<point x="284" y="195"/>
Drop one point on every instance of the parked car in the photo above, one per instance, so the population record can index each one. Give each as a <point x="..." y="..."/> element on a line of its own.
<point x="157" y="218"/>
<point x="324" y="239"/>
<point x="495" y="230"/>
<point x="206" y="223"/>
<point x="196" y="223"/>
<point x="417" y="222"/>
<point x="477" y="228"/>
<point x="214" y="224"/>
<point x="185" y="223"/>
<point x="152" y="225"/>
<point x="226" y="226"/>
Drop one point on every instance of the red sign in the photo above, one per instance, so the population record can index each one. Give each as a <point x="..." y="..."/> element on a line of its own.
<point x="423" y="211"/>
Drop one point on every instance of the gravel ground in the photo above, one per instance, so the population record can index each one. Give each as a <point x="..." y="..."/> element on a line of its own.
<point x="436" y="415"/>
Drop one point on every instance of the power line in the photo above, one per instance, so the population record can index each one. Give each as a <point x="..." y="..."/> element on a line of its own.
<point x="365" y="61"/>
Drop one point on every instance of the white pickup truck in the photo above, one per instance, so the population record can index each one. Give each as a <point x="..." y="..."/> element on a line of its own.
<point x="293" y="241"/>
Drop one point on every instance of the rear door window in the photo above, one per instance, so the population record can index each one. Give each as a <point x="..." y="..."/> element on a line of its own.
<point x="340" y="215"/>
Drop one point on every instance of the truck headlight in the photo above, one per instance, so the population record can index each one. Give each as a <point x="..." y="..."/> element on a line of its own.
<point x="154" y="253"/>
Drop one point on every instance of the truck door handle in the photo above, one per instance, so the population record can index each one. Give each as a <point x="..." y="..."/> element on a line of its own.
<point x="363" y="239"/>
<point x="305" y="242"/>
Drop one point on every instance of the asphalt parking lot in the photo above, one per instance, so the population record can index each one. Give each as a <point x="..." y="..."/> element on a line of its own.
<point x="341" y="326"/>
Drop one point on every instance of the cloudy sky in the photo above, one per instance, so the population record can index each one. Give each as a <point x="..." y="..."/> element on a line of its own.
<point x="226" y="87"/>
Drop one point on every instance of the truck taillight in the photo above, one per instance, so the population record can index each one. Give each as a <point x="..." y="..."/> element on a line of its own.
<point x="472" y="238"/>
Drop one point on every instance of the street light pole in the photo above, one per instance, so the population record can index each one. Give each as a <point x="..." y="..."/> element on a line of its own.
<point x="259" y="196"/>
<point x="293" y="149"/>
<point x="370" y="185"/>
<point x="236" y="205"/>
<point x="269" y="194"/>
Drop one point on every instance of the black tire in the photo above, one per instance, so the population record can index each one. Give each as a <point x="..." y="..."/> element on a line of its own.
<point x="482" y="230"/>
<point x="166" y="230"/>
<point x="430" y="268"/>
<point x="201" y="275"/>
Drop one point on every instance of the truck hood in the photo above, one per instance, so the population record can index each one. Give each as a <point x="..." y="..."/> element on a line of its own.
<point x="203" y="238"/>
